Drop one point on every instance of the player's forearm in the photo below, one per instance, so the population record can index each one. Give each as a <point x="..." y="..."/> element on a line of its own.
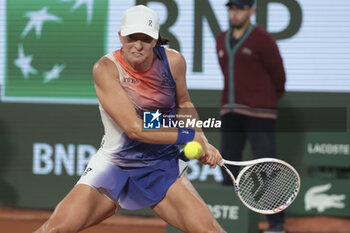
<point x="164" y="135"/>
<point x="136" y="132"/>
<point x="188" y="110"/>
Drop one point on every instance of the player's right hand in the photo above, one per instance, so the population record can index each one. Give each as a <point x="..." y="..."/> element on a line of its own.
<point x="212" y="156"/>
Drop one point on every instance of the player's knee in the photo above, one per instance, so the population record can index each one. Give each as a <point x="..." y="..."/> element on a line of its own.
<point x="212" y="230"/>
<point x="215" y="230"/>
<point x="209" y="227"/>
<point x="55" y="226"/>
<point x="53" y="229"/>
<point x="58" y="229"/>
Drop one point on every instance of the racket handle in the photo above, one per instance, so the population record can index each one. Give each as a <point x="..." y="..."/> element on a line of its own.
<point x="222" y="162"/>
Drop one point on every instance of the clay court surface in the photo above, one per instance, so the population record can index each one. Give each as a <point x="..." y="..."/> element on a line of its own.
<point x="23" y="221"/>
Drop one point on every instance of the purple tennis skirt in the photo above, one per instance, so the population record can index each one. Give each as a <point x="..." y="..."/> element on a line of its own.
<point x="132" y="188"/>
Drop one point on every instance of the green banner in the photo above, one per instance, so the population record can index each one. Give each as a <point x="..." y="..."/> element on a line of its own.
<point x="327" y="149"/>
<point x="319" y="196"/>
<point x="52" y="47"/>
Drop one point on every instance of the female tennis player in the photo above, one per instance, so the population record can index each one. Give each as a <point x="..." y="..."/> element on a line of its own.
<point x="135" y="168"/>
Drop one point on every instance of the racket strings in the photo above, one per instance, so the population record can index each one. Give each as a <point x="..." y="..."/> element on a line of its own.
<point x="267" y="186"/>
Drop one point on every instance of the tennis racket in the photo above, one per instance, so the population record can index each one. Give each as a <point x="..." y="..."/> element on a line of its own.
<point x="265" y="186"/>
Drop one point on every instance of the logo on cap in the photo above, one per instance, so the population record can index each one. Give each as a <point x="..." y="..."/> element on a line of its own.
<point x="150" y="23"/>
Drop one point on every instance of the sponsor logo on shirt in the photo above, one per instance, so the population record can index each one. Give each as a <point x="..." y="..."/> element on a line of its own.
<point x="130" y="80"/>
<point x="247" y="51"/>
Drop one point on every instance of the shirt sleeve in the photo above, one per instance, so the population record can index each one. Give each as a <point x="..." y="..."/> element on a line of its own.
<point x="273" y="62"/>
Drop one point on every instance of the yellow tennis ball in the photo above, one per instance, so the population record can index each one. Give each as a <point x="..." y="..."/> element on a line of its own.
<point x="193" y="150"/>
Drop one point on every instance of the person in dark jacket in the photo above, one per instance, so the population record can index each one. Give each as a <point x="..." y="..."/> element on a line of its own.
<point x="254" y="82"/>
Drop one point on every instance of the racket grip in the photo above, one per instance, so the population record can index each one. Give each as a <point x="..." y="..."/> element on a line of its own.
<point x="222" y="162"/>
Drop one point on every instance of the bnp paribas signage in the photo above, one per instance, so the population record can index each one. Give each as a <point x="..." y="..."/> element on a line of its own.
<point x="51" y="48"/>
<point x="48" y="48"/>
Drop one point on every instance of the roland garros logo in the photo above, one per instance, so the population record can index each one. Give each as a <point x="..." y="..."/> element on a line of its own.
<point x="37" y="22"/>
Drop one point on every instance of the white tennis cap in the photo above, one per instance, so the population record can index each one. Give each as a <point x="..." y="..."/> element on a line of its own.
<point x="140" y="19"/>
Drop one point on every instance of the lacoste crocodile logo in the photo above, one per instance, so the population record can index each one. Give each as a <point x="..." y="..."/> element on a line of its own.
<point x="316" y="198"/>
<point x="247" y="51"/>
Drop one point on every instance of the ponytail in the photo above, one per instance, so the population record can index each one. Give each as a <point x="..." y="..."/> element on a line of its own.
<point x="162" y="40"/>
